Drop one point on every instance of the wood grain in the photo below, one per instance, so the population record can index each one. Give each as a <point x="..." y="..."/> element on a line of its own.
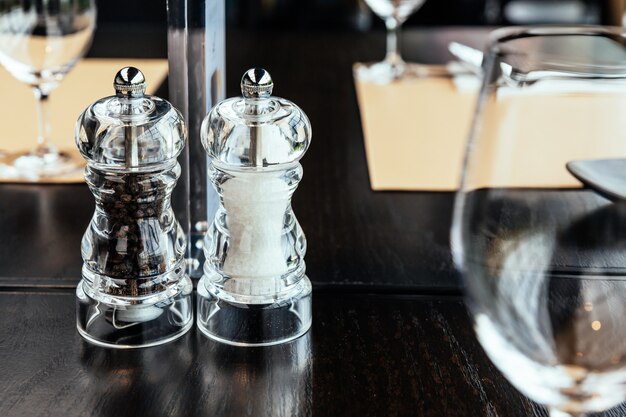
<point x="365" y="356"/>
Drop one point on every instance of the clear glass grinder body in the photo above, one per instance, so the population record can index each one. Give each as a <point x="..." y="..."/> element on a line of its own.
<point x="254" y="290"/>
<point x="135" y="290"/>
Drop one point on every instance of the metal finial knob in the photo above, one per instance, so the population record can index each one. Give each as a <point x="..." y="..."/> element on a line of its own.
<point x="130" y="82"/>
<point x="256" y="83"/>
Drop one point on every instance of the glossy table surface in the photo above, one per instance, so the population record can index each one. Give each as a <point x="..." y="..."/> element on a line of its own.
<point x="390" y="336"/>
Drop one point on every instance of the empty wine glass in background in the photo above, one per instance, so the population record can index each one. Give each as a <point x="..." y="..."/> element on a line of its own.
<point x="40" y="42"/>
<point x="394" y="13"/>
<point x="542" y="258"/>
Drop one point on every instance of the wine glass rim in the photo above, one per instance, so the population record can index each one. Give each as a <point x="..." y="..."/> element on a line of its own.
<point x="558" y="64"/>
<point x="509" y="33"/>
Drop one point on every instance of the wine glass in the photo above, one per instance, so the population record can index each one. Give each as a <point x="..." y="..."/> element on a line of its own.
<point x="542" y="257"/>
<point x="394" y="13"/>
<point x="40" y="42"/>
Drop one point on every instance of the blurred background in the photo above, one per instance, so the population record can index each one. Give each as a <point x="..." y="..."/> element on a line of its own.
<point x="354" y="15"/>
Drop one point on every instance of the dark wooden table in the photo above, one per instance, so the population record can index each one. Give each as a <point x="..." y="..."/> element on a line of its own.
<point x="390" y="336"/>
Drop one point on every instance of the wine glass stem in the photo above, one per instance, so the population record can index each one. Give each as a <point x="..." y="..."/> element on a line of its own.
<point x="42" y="120"/>
<point x="393" y="41"/>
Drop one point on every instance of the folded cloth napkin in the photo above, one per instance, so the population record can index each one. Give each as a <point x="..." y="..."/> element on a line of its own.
<point x="415" y="132"/>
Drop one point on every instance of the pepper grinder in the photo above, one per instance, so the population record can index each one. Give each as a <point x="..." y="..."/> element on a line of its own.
<point x="135" y="291"/>
<point x="254" y="291"/>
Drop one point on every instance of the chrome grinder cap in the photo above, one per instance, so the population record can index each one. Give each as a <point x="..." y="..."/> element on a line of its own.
<point x="256" y="83"/>
<point x="129" y="82"/>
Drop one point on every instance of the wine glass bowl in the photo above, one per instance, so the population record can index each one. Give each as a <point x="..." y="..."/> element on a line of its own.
<point x="542" y="257"/>
<point x="40" y="42"/>
<point x="394" y="13"/>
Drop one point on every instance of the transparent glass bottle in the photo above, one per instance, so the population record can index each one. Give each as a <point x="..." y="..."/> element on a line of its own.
<point x="254" y="290"/>
<point x="135" y="290"/>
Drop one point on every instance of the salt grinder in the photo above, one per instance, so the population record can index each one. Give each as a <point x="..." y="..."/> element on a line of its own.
<point x="135" y="291"/>
<point x="254" y="290"/>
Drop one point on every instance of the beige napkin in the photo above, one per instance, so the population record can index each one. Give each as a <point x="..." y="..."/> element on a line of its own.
<point x="415" y="133"/>
<point x="90" y="80"/>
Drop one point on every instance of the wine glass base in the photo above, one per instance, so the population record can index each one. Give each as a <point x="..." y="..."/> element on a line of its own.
<point x="558" y="413"/>
<point x="37" y="165"/>
<point x="385" y="72"/>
